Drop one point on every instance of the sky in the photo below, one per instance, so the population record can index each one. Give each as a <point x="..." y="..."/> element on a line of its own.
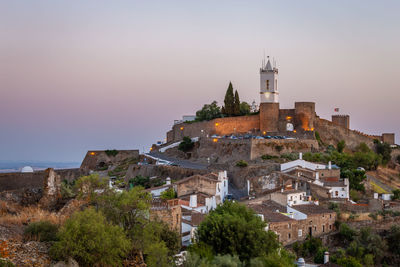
<point x="80" y="75"/>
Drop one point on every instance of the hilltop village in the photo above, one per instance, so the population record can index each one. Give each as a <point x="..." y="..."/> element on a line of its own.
<point x="260" y="187"/>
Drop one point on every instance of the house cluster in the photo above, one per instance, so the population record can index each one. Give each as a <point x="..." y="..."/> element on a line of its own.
<point x="197" y="195"/>
<point x="288" y="200"/>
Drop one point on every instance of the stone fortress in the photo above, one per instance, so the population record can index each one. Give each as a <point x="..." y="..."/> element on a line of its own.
<point x="301" y="122"/>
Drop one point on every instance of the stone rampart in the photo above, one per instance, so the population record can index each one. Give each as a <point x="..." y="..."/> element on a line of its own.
<point x="277" y="147"/>
<point x="331" y="133"/>
<point x="35" y="180"/>
<point x="95" y="159"/>
<point x="220" y="126"/>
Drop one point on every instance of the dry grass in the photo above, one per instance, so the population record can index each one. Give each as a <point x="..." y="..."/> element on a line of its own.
<point x="19" y="215"/>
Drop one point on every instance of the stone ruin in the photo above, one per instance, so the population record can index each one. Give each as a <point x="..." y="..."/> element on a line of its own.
<point x="51" y="189"/>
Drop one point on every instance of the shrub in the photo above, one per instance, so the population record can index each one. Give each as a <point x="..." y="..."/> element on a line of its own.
<point x="67" y="189"/>
<point x="168" y="194"/>
<point x="290" y="156"/>
<point x="41" y="231"/>
<point x="241" y="163"/>
<point x="89" y="239"/>
<point x="111" y="153"/>
<point x="267" y="157"/>
<point x="186" y="144"/>
<point x="279" y="148"/>
<point x="6" y="263"/>
<point x="347" y="232"/>
<point x="87" y="185"/>
<point x="355" y="195"/>
<point x="340" y="146"/>
<point x="396" y="194"/>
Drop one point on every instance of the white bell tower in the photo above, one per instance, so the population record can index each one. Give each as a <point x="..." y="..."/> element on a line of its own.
<point x="268" y="83"/>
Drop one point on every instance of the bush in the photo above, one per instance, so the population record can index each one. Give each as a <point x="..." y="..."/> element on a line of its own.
<point x="290" y="156"/>
<point x="267" y="157"/>
<point x="396" y="194"/>
<point x="355" y="195"/>
<point x="186" y="144"/>
<point x="209" y="112"/>
<point x="67" y="189"/>
<point x="89" y="239"/>
<point x="241" y="163"/>
<point x="340" y="146"/>
<point x="384" y="150"/>
<point x="111" y="153"/>
<point x="168" y="194"/>
<point x="6" y="263"/>
<point x="347" y="232"/>
<point x="41" y="231"/>
<point x="87" y="185"/>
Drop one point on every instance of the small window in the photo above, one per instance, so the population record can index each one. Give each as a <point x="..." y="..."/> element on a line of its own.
<point x="330" y="216"/>
<point x="289" y="235"/>
<point x="336" y="193"/>
<point x="300" y="232"/>
<point x="323" y="228"/>
<point x="330" y="227"/>
<point x="289" y="226"/>
<point x="267" y="84"/>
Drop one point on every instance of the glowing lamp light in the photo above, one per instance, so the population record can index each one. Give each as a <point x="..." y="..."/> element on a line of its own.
<point x="264" y="133"/>
<point x="181" y="128"/>
<point x="151" y="148"/>
<point x="216" y="124"/>
<point x="294" y="131"/>
<point x="288" y="118"/>
<point x="215" y="140"/>
<point x="312" y="129"/>
<point x="92" y="153"/>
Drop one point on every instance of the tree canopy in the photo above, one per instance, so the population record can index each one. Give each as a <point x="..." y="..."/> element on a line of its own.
<point x="229" y="101"/>
<point x="234" y="229"/>
<point x="209" y="112"/>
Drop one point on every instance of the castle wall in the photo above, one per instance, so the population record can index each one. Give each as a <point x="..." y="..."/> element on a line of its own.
<point x="99" y="158"/>
<point x="332" y="133"/>
<point x="269" y="117"/>
<point x="388" y="138"/>
<point x="304" y="116"/>
<point x="20" y="181"/>
<point x="281" y="146"/>
<point x="342" y="120"/>
<point x="220" y="126"/>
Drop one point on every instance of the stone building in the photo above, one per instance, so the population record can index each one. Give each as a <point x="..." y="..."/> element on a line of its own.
<point x="168" y="211"/>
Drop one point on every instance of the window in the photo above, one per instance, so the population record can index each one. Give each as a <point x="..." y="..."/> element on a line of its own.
<point x="336" y="193"/>
<point x="330" y="216"/>
<point x="267" y="84"/>
<point x="300" y="232"/>
<point x="289" y="236"/>
<point x="289" y="226"/>
<point x="330" y="227"/>
<point x="323" y="228"/>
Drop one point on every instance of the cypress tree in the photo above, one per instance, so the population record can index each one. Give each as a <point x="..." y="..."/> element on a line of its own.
<point x="229" y="101"/>
<point x="236" y="104"/>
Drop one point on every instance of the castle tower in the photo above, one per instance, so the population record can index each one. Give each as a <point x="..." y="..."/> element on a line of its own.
<point x="269" y="98"/>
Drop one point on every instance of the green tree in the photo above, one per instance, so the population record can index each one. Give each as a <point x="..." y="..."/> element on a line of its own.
<point x="186" y="144"/>
<point x="86" y="186"/>
<point x="89" y="239"/>
<point x="393" y="239"/>
<point x="236" y="104"/>
<point x="396" y="194"/>
<point x="229" y="101"/>
<point x="168" y="194"/>
<point x="340" y="146"/>
<point x="234" y="229"/>
<point x="209" y="112"/>
<point x="356" y="177"/>
<point x="244" y="108"/>
<point x="384" y="150"/>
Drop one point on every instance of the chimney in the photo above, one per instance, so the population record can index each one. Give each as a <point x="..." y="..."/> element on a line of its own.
<point x="300" y="155"/>
<point x="168" y="181"/>
<point x="330" y="165"/>
<point x="281" y="190"/>
<point x="193" y="201"/>
<point x="326" y="257"/>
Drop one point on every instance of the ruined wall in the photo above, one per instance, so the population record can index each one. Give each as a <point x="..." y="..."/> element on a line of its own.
<point x="20" y="181"/>
<point x="342" y="120"/>
<point x="98" y="158"/>
<point x="220" y="126"/>
<point x="168" y="211"/>
<point x="269" y="117"/>
<point x="280" y="146"/>
<point x="331" y="134"/>
<point x="196" y="184"/>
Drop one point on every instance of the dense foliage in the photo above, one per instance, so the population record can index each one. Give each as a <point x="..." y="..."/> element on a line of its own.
<point x="229" y="102"/>
<point x="234" y="229"/>
<point x="242" y="163"/>
<point x="168" y="194"/>
<point x="91" y="240"/>
<point x="209" y="112"/>
<point x="111" y="152"/>
<point x="186" y="145"/>
<point x="145" y="182"/>
<point x="87" y="186"/>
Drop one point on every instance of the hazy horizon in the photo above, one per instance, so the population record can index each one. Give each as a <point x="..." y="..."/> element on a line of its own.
<point x="104" y="75"/>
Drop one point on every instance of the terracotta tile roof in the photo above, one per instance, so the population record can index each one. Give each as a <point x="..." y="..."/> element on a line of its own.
<point x="311" y="209"/>
<point x="269" y="209"/>
<point x="197" y="176"/>
<point x="334" y="183"/>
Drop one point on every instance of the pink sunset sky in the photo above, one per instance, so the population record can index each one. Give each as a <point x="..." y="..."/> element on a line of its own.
<point x="80" y="75"/>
